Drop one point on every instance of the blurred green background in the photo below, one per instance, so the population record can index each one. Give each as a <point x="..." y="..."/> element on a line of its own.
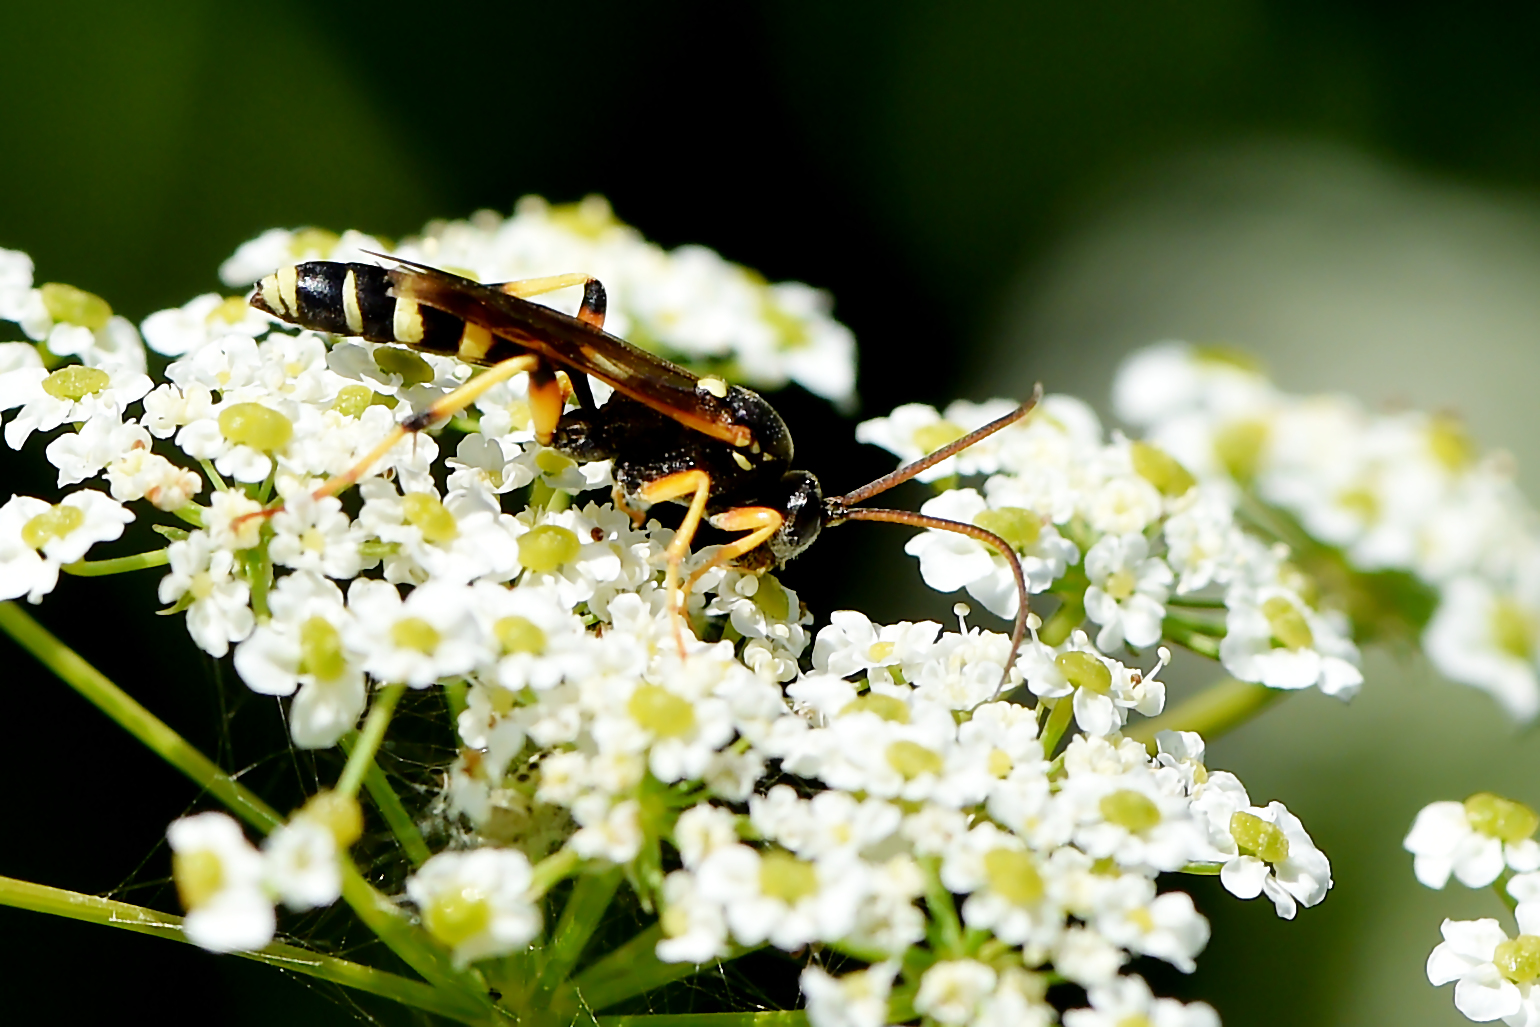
<point x="995" y="192"/>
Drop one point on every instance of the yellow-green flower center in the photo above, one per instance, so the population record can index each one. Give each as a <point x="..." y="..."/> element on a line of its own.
<point x="519" y="635"/>
<point x="1238" y="445"/>
<point x="320" y="648"/>
<point x="771" y="598"/>
<point x="55" y="522"/>
<point x="1018" y="526"/>
<point x="1013" y="874"/>
<point x="416" y="634"/>
<point x="75" y="306"/>
<point x="1514" y="629"/>
<point x="1288" y="624"/>
<point x="306" y="241"/>
<point x="1120" y="584"/>
<point x="932" y="437"/>
<point x="1256" y="837"/>
<point x="999" y="763"/>
<point x="547" y="547"/>
<point x="888" y="707"/>
<point x="1133" y="811"/>
<point x="551" y="462"/>
<point x="413" y="369"/>
<point x="1450" y="443"/>
<point x="911" y="759"/>
<point x="424" y="512"/>
<point x="785" y="877"/>
<point x="76" y="382"/>
<point x="1518" y="959"/>
<point x="1497" y="817"/>
<point x="1083" y="670"/>
<point x="353" y="400"/>
<point x="660" y="711"/>
<point x="257" y="426"/>
<point x="338" y="813"/>
<point x="1161" y="469"/>
<point x="457" y="916"/>
<point x="198" y="875"/>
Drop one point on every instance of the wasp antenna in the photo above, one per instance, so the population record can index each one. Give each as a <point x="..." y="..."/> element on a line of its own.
<point x="908" y="471"/>
<point x="989" y="538"/>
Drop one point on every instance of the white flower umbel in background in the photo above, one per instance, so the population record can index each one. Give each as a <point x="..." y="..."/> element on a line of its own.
<point x="1476" y="840"/>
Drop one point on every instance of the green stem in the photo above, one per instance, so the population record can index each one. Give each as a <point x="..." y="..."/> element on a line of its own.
<point x="117" y="565"/>
<point x="379" y="913"/>
<point x="190" y="513"/>
<point x="1058" y="720"/>
<point x="552" y="869"/>
<point x="1202" y="869"/>
<point x="1194" y="635"/>
<point x="369" y="739"/>
<point x="1219" y="708"/>
<point x="943" y="910"/>
<point x="111" y="913"/>
<point x="1500" y="886"/>
<point x="1197" y="602"/>
<point x="134" y="718"/>
<point x="768" y="1018"/>
<point x="630" y="970"/>
<point x="400" y="822"/>
<point x="213" y="475"/>
<point x="590" y="897"/>
<point x="1069" y="616"/>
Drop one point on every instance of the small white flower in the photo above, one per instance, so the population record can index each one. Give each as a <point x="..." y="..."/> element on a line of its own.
<point x="952" y="991"/>
<point x="1475" y="840"/>
<point x="776" y="897"/>
<point x="432" y="634"/>
<point x="1475" y="953"/>
<point x="1275" y="638"/>
<point x="476" y="902"/>
<point x="36" y="538"/>
<point x="694" y="928"/>
<point x="70" y="395"/>
<point x="857" y="999"/>
<point x="301" y="866"/>
<point x="1128" y="1000"/>
<point x="1128" y="591"/>
<point x="220" y="878"/>
<point x="1482" y="637"/>
<point x="217" y="613"/>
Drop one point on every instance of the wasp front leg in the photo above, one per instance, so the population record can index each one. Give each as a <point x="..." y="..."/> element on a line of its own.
<point x="677" y="486"/>
<point x="761" y="522"/>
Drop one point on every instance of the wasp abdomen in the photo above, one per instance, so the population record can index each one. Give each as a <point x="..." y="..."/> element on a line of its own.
<point x="354" y="299"/>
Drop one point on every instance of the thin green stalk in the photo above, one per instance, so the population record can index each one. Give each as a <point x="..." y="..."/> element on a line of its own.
<point x="1202" y="869"/>
<point x="630" y="970"/>
<point x="1069" y="616"/>
<point x="1058" y="720"/>
<point x="378" y="912"/>
<point x="552" y="869"/>
<point x="134" y="718"/>
<point x="1217" y="709"/>
<point x="218" y="482"/>
<point x="591" y="895"/>
<point x="943" y="910"/>
<point x="190" y="513"/>
<point x="369" y="739"/>
<point x="117" y="565"/>
<point x="1195" y="635"/>
<point x="1500" y="886"/>
<point x="111" y="913"/>
<point x="1197" y="602"/>
<point x="400" y="822"/>
<point x="768" y="1018"/>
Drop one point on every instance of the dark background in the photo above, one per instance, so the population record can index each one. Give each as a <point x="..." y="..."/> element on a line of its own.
<point x="914" y="159"/>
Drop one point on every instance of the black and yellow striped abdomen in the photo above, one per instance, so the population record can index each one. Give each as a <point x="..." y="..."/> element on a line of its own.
<point x="354" y="299"/>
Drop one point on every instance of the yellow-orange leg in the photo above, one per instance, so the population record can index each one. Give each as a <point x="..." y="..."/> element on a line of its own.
<point x="445" y="406"/>
<point x="676" y="486"/>
<point x="759" y="521"/>
<point x="592" y="309"/>
<point x="618" y="497"/>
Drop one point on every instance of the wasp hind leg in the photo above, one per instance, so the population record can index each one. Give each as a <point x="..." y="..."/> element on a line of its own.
<point x="444" y="407"/>
<point x="594" y="300"/>
<point x="677" y="486"/>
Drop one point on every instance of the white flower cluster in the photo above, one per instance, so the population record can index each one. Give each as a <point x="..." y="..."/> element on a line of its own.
<point x="688" y="304"/>
<point x="1125" y="537"/>
<point x="1486" y="840"/>
<point x="875" y="790"/>
<point x="1403" y="495"/>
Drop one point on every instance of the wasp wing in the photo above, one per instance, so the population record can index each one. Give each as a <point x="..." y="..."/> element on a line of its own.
<point x="576" y="346"/>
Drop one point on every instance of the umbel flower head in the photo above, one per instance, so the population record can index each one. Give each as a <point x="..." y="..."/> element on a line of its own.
<point x="968" y="827"/>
